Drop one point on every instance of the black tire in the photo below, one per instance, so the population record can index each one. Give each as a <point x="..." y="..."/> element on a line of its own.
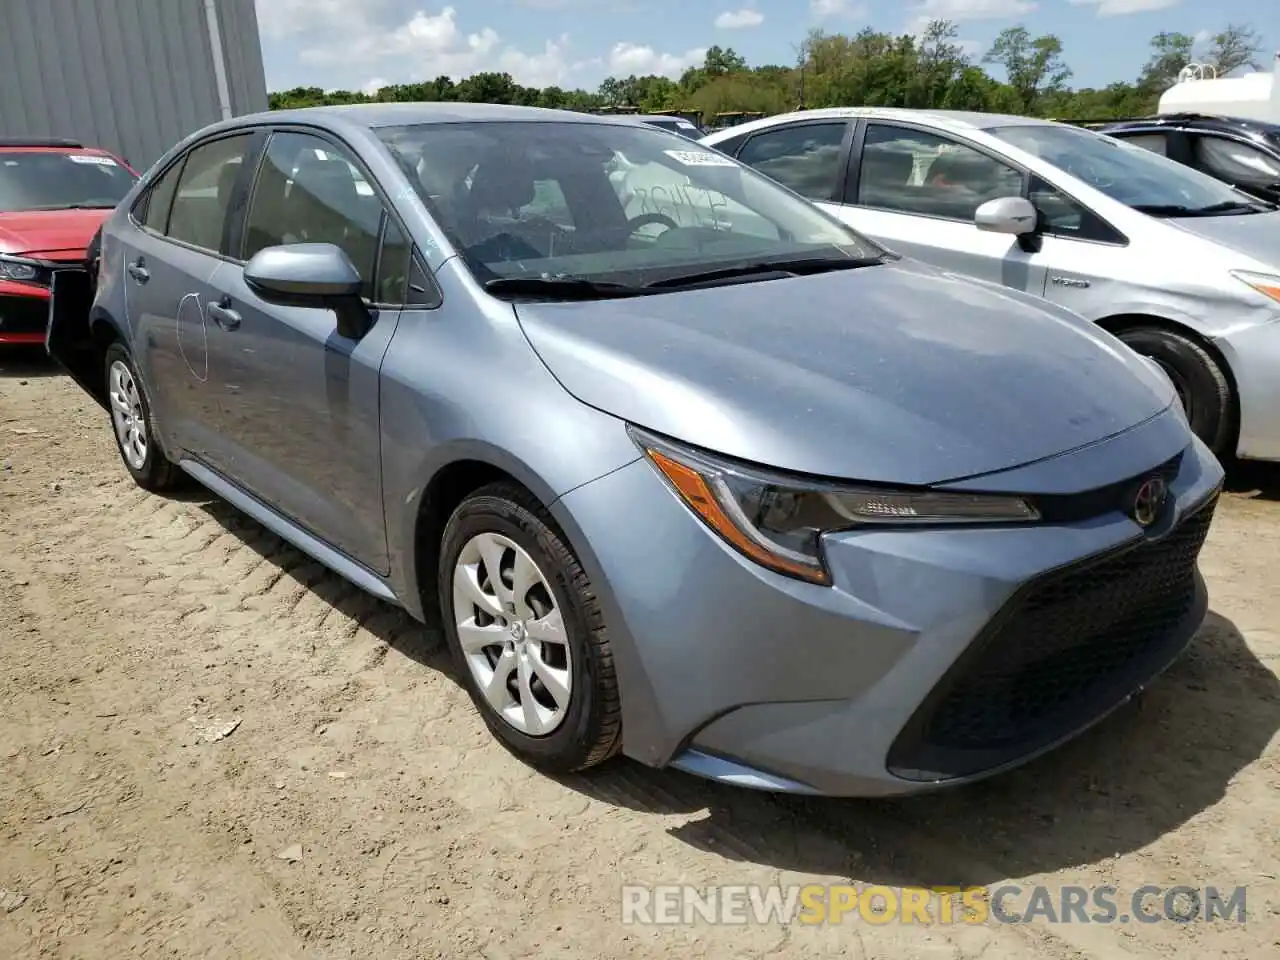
<point x="1201" y="383"/>
<point x="157" y="473"/>
<point x="591" y="731"/>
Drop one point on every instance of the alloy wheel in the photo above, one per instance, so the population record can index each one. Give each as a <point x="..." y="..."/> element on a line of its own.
<point x="127" y="415"/>
<point x="512" y="634"/>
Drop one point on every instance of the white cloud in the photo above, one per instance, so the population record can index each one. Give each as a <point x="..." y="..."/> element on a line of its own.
<point x="961" y="11"/>
<point x="829" y="9"/>
<point x="1119" y="8"/>
<point x="739" y="19"/>
<point x="626" y="59"/>
<point x="344" y="43"/>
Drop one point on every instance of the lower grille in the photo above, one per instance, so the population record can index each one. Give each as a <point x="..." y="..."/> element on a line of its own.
<point x="1065" y="649"/>
<point x="23" y="314"/>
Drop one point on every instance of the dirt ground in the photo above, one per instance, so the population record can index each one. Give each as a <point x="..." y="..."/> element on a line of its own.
<point x="134" y="630"/>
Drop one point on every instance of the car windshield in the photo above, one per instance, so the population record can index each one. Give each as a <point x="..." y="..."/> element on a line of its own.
<point x="1123" y="171"/>
<point x="606" y="203"/>
<point x="49" y="180"/>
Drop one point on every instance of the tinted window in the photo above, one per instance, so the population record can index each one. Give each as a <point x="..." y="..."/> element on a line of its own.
<point x="1155" y="142"/>
<point x="48" y="180"/>
<point x="160" y="199"/>
<point x="204" y="192"/>
<point x="1236" y="162"/>
<point x="394" y="265"/>
<point x="925" y="174"/>
<point x="1119" y="169"/>
<point x="309" y="191"/>
<point x="642" y="203"/>
<point x="1063" y="217"/>
<point x="805" y="157"/>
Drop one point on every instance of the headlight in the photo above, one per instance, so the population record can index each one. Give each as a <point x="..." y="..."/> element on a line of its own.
<point x="15" y="268"/>
<point x="1265" y="284"/>
<point x="778" y="520"/>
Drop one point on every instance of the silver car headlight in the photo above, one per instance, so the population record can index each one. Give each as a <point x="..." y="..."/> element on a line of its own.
<point x="778" y="520"/>
<point x="1263" y="283"/>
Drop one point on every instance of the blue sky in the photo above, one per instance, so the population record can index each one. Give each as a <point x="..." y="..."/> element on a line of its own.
<point x="355" y="44"/>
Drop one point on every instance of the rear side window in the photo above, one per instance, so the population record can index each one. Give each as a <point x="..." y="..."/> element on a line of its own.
<point x="159" y="200"/>
<point x="1155" y="142"/>
<point x="805" y="157"/>
<point x="204" y="191"/>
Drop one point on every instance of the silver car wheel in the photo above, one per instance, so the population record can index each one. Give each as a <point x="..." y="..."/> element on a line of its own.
<point x="127" y="416"/>
<point x="512" y="634"/>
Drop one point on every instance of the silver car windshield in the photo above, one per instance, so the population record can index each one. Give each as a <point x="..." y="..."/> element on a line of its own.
<point x="1125" y="172"/>
<point x="604" y="201"/>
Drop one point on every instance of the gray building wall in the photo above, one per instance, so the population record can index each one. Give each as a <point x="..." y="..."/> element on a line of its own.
<point x="133" y="76"/>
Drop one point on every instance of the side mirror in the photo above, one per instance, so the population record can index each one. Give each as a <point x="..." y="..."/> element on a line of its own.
<point x="1011" y="215"/>
<point x="311" y="275"/>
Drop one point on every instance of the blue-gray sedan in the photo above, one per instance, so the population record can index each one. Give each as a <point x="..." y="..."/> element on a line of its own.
<point x="688" y="469"/>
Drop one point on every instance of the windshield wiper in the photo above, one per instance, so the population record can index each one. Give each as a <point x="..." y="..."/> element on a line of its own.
<point x="801" y="266"/>
<point x="561" y="288"/>
<point x="75" y="206"/>
<point x="1181" y="210"/>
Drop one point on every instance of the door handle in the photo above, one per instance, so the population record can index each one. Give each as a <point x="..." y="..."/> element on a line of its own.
<point x="138" y="270"/>
<point x="223" y="315"/>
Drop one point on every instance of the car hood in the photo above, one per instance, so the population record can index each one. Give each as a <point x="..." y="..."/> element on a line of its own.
<point x="897" y="373"/>
<point x="1255" y="235"/>
<point x="37" y="232"/>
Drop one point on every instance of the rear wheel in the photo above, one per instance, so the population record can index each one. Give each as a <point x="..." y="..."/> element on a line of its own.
<point x="133" y="425"/>
<point x="1202" y="386"/>
<point x="526" y="631"/>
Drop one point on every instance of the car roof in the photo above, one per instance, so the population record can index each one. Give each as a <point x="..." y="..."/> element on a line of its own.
<point x="408" y="114"/>
<point x="958" y="120"/>
<point x="1200" y="121"/>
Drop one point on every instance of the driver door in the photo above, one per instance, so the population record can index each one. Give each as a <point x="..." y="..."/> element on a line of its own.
<point x="916" y="192"/>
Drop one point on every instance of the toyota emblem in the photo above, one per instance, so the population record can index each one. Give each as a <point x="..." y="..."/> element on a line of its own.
<point x="1149" y="501"/>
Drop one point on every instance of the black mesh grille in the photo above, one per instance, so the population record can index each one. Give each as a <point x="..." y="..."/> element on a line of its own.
<point x="23" y="314"/>
<point x="1066" y="648"/>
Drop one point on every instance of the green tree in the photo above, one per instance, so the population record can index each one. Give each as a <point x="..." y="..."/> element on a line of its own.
<point x="1033" y="66"/>
<point x="1170" y="52"/>
<point x="1235" y="47"/>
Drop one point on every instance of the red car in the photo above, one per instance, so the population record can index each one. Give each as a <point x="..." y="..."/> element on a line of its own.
<point x="54" y="194"/>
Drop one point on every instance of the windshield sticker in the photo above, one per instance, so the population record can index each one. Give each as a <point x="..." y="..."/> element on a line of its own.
<point x="91" y="158"/>
<point x="699" y="158"/>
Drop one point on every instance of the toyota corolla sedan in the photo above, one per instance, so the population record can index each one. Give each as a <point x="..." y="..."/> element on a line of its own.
<point x="1180" y="266"/>
<point x="688" y="469"/>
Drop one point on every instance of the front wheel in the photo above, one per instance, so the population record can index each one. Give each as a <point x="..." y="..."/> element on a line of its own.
<point x="133" y="425"/>
<point x="526" y="632"/>
<point x="1202" y="386"/>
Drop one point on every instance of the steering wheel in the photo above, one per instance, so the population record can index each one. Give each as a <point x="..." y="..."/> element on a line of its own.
<point x="645" y="219"/>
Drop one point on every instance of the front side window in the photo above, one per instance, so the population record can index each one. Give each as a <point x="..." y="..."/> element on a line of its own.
<point x="1236" y="162"/>
<point x="630" y="203"/>
<point x="204" y="189"/>
<point x="805" y="157"/>
<point x="54" y="180"/>
<point x="309" y="191"/>
<point x="1155" y="142"/>
<point x="1130" y="174"/>
<point x="911" y="171"/>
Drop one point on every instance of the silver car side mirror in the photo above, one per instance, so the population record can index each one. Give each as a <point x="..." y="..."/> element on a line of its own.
<point x="1012" y="215"/>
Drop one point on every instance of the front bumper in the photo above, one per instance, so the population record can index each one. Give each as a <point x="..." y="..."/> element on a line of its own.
<point x="1253" y="355"/>
<point x="937" y="657"/>
<point x="24" y="313"/>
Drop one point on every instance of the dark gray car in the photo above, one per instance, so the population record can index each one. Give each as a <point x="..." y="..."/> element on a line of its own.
<point x="688" y="468"/>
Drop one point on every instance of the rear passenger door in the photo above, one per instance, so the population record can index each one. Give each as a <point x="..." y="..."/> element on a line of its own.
<point x="177" y="241"/>
<point x="300" y="423"/>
